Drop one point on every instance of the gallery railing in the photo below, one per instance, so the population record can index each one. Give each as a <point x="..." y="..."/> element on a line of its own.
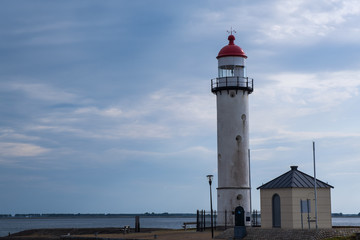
<point x="232" y="83"/>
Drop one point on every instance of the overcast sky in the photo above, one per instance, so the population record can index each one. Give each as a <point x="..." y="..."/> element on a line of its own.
<point x="106" y="105"/>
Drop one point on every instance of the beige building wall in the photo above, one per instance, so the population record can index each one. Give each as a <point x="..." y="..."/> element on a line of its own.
<point x="266" y="196"/>
<point x="291" y="210"/>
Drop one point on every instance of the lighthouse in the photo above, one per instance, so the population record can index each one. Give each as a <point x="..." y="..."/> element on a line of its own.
<point x="232" y="88"/>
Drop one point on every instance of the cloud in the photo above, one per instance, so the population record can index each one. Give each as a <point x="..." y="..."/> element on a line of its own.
<point x="164" y="113"/>
<point x="186" y="106"/>
<point x="54" y="31"/>
<point x="143" y="154"/>
<point x="266" y="154"/>
<point x="40" y="91"/>
<point x="108" y="112"/>
<point x="303" y="22"/>
<point x="296" y="107"/>
<point x="184" y="157"/>
<point x="137" y="131"/>
<point x="309" y="94"/>
<point x="323" y="90"/>
<point x="282" y="135"/>
<point x="10" y="134"/>
<point x="156" y="130"/>
<point x="45" y="27"/>
<point x="291" y="22"/>
<point x="347" y="174"/>
<point x="13" y="149"/>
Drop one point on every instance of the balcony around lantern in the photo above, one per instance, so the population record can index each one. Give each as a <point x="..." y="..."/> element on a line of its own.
<point x="232" y="83"/>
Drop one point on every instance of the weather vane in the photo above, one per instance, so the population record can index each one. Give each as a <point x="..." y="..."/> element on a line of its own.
<point x="231" y="31"/>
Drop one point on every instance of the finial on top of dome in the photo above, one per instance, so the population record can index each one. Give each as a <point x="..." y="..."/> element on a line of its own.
<point x="231" y="31"/>
<point x="231" y="37"/>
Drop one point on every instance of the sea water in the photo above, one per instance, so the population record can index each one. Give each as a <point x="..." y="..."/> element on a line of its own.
<point x="346" y="221"/>
<point x="13" y="225"/>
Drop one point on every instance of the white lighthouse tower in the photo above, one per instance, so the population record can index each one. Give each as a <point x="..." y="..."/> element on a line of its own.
<point x="232" y="88"/>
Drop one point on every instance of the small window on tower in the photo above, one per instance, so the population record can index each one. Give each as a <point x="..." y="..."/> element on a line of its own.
<point x="240" y="71"/>
<point x="226" y="71"/>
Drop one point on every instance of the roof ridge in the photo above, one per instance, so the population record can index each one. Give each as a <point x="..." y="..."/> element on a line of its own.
<point x="293" y="170"/>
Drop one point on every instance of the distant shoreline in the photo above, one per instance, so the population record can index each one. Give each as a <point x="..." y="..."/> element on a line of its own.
<point x="125" y="215"/>
<point x="340" y="215"/>
<point x="80" y="215"/>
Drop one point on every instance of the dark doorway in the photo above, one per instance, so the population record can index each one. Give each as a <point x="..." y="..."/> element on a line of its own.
<point x="276" y="211"/>
<point x="239" y="216"/>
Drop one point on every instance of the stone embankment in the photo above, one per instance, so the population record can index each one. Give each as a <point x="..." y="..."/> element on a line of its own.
<point x="286" y="234"/>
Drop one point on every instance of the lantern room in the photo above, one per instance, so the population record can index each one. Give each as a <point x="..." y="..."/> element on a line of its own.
<point x="231" y="69"/>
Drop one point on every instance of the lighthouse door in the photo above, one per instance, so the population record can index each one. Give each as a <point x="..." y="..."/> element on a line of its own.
<point x="239" y="216"/>
<point x="239" y="229"/>
<point x="276" y="211"/>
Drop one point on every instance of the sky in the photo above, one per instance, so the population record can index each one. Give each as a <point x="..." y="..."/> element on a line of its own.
<point x="106" y="105"/>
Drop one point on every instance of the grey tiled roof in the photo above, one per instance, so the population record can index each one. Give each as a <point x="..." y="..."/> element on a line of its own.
<point x="294" y="179"/>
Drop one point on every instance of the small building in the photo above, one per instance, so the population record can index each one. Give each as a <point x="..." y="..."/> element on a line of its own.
<point x="288" y="201"/>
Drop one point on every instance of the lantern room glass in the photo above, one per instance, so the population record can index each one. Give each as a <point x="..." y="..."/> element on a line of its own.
<point x="231" y="71"/>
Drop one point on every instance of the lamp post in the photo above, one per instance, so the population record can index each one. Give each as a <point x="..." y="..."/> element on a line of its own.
<point x="210" y="177"/>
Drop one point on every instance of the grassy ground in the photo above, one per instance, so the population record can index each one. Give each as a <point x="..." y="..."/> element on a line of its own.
<point x="352" y="237"/>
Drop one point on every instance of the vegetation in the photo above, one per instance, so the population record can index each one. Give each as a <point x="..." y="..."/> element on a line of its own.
<point x="352" y="237"/>
<point x="344" y="215"/>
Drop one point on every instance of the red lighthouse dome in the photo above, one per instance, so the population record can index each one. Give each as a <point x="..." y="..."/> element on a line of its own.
<point x="231" y="49"/>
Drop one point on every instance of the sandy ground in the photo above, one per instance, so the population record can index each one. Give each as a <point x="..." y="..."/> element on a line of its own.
<point x="160" y="234"/>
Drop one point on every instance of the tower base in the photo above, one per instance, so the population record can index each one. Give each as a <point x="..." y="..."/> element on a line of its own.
<point x="228" y="199"/>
